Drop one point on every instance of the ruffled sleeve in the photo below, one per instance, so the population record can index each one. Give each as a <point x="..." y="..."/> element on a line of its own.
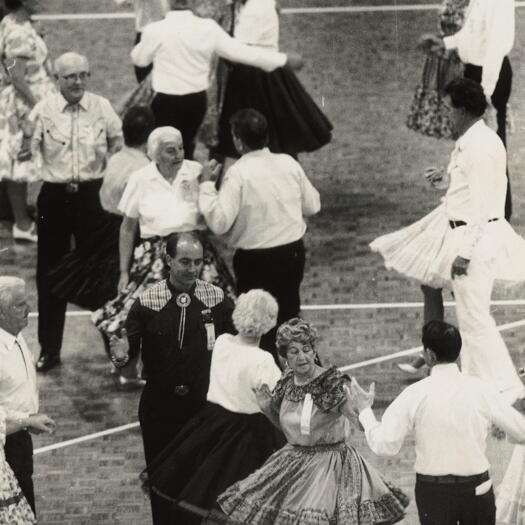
<point x="280" y="390"/>
<point x="328" y="393"/>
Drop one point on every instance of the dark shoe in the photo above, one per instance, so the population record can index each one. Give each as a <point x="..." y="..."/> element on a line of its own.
<point x="46" y="362"/>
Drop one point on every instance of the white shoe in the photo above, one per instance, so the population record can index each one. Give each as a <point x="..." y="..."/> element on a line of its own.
<point x="25" y="235"/>
<point x="407" y="368"/>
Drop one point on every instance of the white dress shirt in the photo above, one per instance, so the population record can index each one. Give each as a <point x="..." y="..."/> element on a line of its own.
<point x="261" y="202"/>
<point x="18" y="389"/>
<point x="486" y="37"/>
<point x="236" y="369"/>
<point x="182" y="47"/>
<point x="147" y="11"/>
<point x="478" y="184"/>
<point x="451" y="415"/>
<point x="160" y="207"/>
<point x="258" y="24"/>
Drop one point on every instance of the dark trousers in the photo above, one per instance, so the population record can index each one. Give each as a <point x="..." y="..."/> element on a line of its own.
<point x="62" y="217"/>
<point x="161" y="416"/>
<point x="499" y="98"/>
<point x="19" y="455"/>
<point x="454" y="504"/>
<point x="277" y="270"/>
<point x="184" y="112"/>
<point x="141" y="72"/>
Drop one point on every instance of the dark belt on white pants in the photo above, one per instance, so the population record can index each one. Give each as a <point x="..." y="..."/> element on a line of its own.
<point x="449" y="478"/>
<point x="457" y="224"/>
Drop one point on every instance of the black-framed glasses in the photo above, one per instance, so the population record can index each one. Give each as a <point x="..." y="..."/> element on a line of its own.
<point x="84" y="75"/>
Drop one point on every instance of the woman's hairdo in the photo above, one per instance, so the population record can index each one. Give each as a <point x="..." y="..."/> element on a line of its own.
<point x="160" y="135"/>
<point x="255" y="313"/>
<point x="295" y="330"/>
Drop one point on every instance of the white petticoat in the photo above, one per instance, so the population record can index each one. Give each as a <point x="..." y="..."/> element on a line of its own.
<point x="426" y="249"/>
<point x="510" y="502"/>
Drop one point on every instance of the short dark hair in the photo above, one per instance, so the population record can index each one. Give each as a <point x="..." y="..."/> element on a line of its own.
<point x="443" y="339"/>
<point x="172" y="240"/>
<point x="137" y="124"/>
<point x="468" y="94"/>
<point x="251" y="127"/>
<point x="13" y="4"/>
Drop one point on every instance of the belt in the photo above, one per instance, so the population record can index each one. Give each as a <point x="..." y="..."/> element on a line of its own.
<point x="449" y="478"/>
<point x="456" y="224"/>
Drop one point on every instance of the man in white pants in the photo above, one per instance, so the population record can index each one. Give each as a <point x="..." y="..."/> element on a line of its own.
<point x="475" y="204"/>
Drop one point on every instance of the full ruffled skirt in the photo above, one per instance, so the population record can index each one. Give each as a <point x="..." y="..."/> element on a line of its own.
<point x="510" y="500"/>
<point x="429" y="112"/>
<point x="426" y="249"/>
<point x="14" y="509"/>
<point x="319" y="485"/>
<point x="149" y="267"/>
<point x="13" y="110"/>
<point x="295" y="121"/>
<point x="214" y="450"/>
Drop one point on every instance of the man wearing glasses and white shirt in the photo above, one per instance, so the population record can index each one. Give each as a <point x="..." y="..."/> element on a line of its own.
<point x="451" y="415"/>
<point x="18" y="389"/>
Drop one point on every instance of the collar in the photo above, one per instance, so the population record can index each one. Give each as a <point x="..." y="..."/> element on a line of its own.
<point x="175" y="292"/>
<point x="256" y="153"/>
<point x="471" y="132"/>
<point x="63" y="103"/>
<point x="446" y="369"/>
<point x="7" y="340"/>
<point x="179" y="13"/>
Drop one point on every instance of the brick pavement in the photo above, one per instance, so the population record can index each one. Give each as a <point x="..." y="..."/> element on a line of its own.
<point x="363" y="67"/>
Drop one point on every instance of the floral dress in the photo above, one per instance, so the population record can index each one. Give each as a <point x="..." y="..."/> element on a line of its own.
<point x="20" y="41"/>
<point x="428" y="113"/>
<point x="14" y="509"/>
<point x="317" y="478"/>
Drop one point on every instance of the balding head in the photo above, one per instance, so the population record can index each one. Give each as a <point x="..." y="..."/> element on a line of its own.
<point x="71" y="72"/>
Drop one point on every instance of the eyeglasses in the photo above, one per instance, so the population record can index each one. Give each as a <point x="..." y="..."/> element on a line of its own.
<point x="76" y="76"/>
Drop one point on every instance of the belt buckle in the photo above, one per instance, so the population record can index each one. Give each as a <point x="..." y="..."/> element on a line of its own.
<point x="72" y="187"/>
<point x="181" y="390"/>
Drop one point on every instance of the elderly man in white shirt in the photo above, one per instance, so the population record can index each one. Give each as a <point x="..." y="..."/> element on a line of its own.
<point x="450" y="414"/>
<point x="261" y="207"/>
<point x="181" y="48"/>
<point x="18" y="389"/>
<point x="483" y="45"/>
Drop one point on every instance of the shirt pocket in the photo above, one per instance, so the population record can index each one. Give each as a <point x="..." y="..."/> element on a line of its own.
<point x="92" y="137"/>
<point x="55" y="140"/>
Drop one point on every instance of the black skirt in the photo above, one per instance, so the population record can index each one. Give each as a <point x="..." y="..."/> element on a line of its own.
<point x="214" y="450"/>
<point x="295" y="122"/>
<point x="88" y="275"/>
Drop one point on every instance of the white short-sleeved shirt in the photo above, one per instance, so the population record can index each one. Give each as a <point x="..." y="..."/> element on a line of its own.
<point x="236" y="369"/>
<point x="160" y="207"/>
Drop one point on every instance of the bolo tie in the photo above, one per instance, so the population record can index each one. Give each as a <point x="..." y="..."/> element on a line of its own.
<point x="183" y="300"/>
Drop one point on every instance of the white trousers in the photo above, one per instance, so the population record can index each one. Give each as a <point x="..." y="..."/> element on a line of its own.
<point x="484" y="353"/>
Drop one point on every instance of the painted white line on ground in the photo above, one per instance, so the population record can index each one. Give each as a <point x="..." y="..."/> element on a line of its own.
<point x="415" y="350"/>
<point x="362" y="364"/>
<point x="285" y="11"/>
<point x="87" y="437"/>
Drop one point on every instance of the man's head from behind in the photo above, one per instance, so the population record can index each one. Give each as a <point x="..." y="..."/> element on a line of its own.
<point x="13" y="304"/>
<point x="441" y="343"/>
<point x="249" y="130"/>
<point x="137" y="124"/>
<point x="71" y="73"/>
<point x="184" y="256"/>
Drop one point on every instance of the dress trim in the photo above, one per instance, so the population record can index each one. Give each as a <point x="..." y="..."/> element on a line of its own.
<point x="13" y="500"/>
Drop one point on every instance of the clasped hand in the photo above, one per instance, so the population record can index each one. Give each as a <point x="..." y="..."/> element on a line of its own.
<point x="357" y="397"/>
<point x="437" y="177"/>
<point x="459" y="267"/>
<point x="119" y="349"/>
<point x="210" y="171"/>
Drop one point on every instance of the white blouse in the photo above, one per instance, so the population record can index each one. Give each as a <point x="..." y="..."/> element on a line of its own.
<point x="236" y="369"/>
<point x="160" y="207"/>
<point x="258" y="24"/>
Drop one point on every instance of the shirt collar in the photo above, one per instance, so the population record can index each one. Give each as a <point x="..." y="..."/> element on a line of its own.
<point x="175" y="292"/>
<point x="177" y="13"/>
<point x="7" y="340"/>
<point x="63" y="103"/>
<point x="257" y="152"/>
<point x="445" y="369"/>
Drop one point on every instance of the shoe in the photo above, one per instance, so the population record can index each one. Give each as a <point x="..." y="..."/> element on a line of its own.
<point x="25" y="235"/>
<point x="130" y="382"/>
<point x="407" y="368"/>
<point x="46" y="362"/>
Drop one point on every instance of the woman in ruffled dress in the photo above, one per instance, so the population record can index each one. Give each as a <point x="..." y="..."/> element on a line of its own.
<point x="229" y="438"/>
<point x="317" y="478"/>
<point x="296" y="124"/>
<point x="25" y="58"/>
<point x="428" y="113"/>
<point x="160" y="199"/>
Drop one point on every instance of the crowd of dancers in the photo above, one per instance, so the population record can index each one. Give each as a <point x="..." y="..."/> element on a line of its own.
<point x="240" y="420"/>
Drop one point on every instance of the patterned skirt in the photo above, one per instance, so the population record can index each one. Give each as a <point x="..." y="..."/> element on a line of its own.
<point x="429" y="112"/>
<point x="318" y="485"/>
<point x="14" y="509"/>
<point x="149" y="267"/>
<point x="426" y="249"/>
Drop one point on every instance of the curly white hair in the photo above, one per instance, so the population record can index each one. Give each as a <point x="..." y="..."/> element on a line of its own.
<point x="160" y="135"/>
<point x="255" y="313"/>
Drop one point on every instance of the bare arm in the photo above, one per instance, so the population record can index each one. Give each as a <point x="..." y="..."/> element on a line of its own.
<point x="128" y="230"/>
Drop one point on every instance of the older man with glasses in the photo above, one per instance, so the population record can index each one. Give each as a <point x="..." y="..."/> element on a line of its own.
<point x="73" y="131"/>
